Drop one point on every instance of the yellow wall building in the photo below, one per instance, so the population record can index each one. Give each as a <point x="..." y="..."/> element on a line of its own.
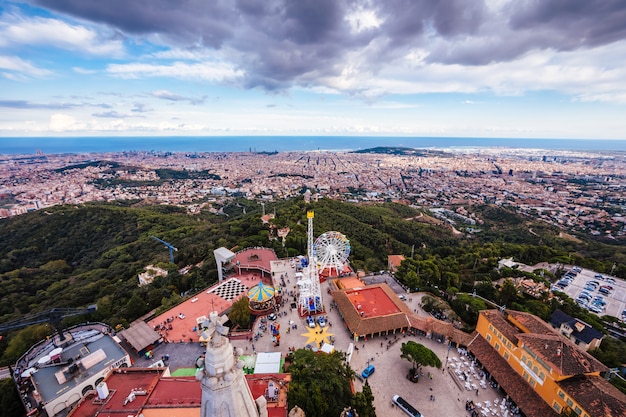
<point x="545" y="365"/>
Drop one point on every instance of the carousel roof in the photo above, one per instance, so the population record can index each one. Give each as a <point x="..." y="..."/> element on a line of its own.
<point x="261" y="292"/>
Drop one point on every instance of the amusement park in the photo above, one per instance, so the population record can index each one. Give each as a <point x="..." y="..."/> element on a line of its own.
<point x="315" y="302"/>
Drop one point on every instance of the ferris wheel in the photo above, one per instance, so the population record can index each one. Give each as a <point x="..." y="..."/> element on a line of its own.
<point x="331" y="250"/>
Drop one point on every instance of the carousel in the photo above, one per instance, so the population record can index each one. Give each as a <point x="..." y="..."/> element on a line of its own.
<point x="261" y="298"/>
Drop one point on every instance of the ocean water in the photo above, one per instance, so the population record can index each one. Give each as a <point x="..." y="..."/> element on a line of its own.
<point x="58" y="145"/>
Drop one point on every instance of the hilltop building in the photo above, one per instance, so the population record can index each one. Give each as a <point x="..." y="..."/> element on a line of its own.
<point x="393" y="262"/>
<point x="542" y="371"/>
<point x="151" y="272"/>
<point x="55" y="376"/>
<point x="582" y="334"/>
<point x="219" y="388"/>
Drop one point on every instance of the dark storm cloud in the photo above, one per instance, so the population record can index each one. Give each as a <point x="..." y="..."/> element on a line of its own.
<point x="281" y="42"/>
<point x="573" y="23"/>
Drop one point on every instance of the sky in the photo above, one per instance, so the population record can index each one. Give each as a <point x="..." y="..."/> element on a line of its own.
<point x="453" y="68"/>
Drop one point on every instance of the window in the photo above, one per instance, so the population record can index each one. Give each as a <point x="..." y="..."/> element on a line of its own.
<point x="497" y="346"/>
<point x="577" y="410"/>
<point x="557" y="407"/>
<point x="488" y="338"/>
<point x="506" y="356"/>
<point x="542" y="376"/>
<point x="569" y="402"/>
<point x="561" y="394"/>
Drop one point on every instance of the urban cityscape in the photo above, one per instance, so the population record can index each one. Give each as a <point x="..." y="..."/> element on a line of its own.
<point x="577" y="192"/>
<point x="581" y="191"/>
<point x="344" y="208"/>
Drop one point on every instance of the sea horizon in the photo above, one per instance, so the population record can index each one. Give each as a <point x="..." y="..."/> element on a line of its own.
<point x="286" y="143"/>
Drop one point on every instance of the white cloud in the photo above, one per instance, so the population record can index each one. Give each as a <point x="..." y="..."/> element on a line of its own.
<point x="20" y="68"/>
<point x="589" y="75"/>
<point x="185" y="54"/>
<point x="210" y="71"/>
<point x="83" y="71"/>
<point x="362" y="19"/>
<point x="60" y="122"/>
<point x="16" y="30"/>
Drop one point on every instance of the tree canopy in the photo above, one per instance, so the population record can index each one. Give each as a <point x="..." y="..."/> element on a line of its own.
<point x="419" y="355"/>
<point x="320" y="383"/>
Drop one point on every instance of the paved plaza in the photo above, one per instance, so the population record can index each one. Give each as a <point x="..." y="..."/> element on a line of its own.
<point x="389" y="379"/>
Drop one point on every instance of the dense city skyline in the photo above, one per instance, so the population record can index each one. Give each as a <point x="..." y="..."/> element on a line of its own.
<point x="496" y="68"/>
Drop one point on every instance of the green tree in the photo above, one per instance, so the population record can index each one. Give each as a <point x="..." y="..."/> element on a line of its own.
<point x="21" y="341"/>
<point x="508" y="292"/>
<point x="411" y="280"/>
<point x="10" y="404"/>
<point x="320" y="383"/>
<point x="135" y="307"/>
<point x="240" y="313"/>
<point x="419" y="355"/>
<point x="363" y="402"/>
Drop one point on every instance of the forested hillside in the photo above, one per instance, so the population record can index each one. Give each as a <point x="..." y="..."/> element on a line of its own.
<point x="73" y="256"/>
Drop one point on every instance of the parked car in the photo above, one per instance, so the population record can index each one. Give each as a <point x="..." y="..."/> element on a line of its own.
<point x="272" y="316"/>
<point x="405" y="406"/>
<point x="368" y="371"/>
<point x="321" y="321"/>
<point x="605" y="291"/>
<point x="310" y="321"/>
<point x="595" y="309"/>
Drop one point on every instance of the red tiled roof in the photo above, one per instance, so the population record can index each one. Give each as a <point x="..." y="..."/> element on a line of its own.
<point x="596" y="395"/>
<point x="507" y="329"/>
<point x="255" y="258"/>
<point x="395" y="260"/>
<point x="259" y="383"/>
<point x="431" y="324"/>
<point x="120" y="384"/>
<point x="374" y="324"/>
<point x="561" y="354"/>
<point x="531" y="322"/>
<point x="531" y="404"/>
<point x="181" y="391"/>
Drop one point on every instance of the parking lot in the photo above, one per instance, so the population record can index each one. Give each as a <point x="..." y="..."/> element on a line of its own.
<point x="615" y="299"/>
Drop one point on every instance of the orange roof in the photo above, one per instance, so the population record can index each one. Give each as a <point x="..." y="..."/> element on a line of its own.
<point x="351" y="282"/>
<point x="255" y="258"/>
<point x="120" y="384"/>
<point x="218" y="297"/>
<point x="395" y="260"/>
